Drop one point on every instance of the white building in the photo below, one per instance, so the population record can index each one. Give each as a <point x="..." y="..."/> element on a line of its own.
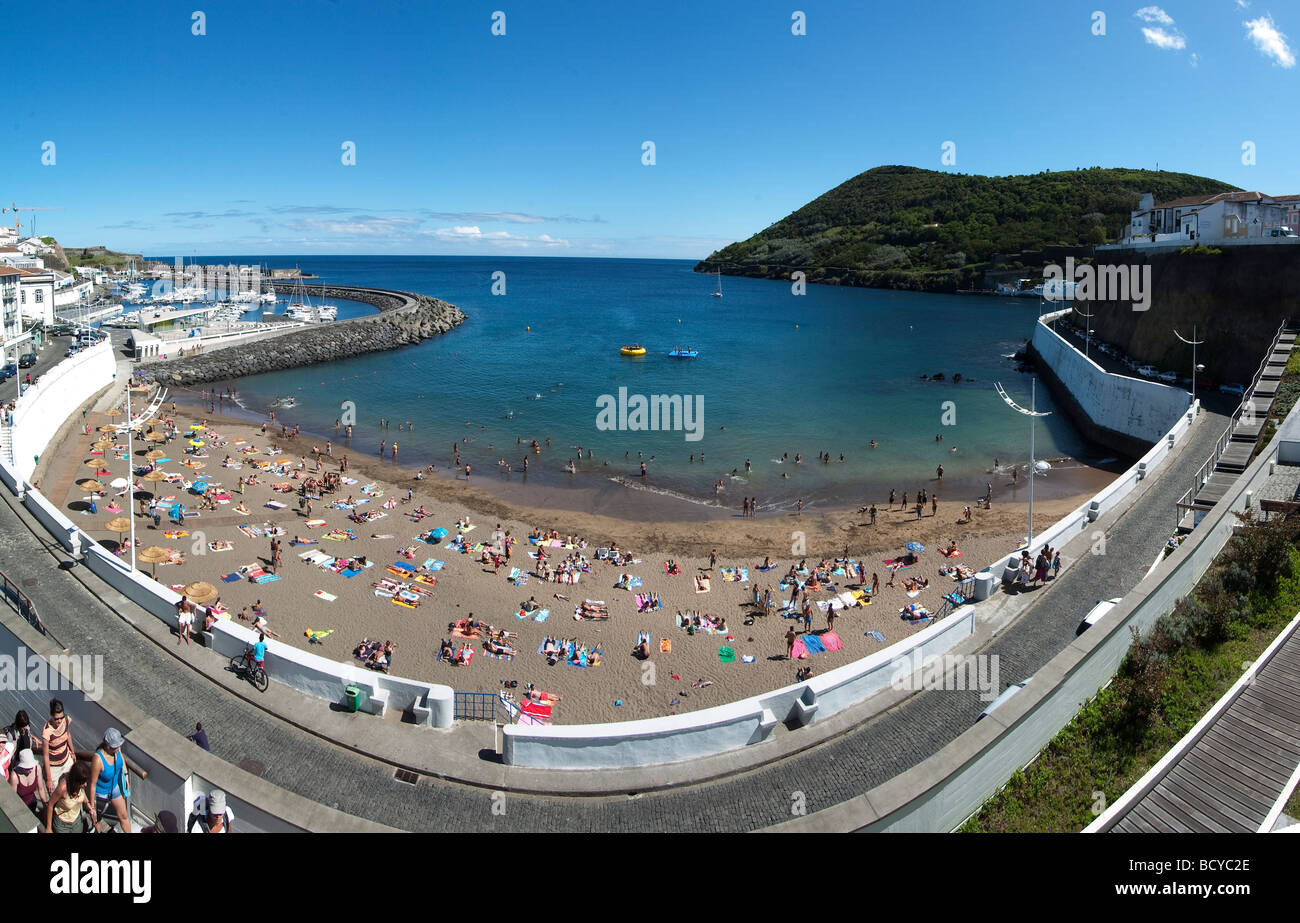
<point x="36" y="296"/>
<point x="1223" y="218"/>
<point x="8" y="236"/>
<point x="11" y="324"/>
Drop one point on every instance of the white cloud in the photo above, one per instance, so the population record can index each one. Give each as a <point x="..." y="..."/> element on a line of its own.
<point x="503" y="239"/>
<point x="357" y="226"/>
<point x="1242" y="4"/>
<point x="1270" y="42"/>
<point x="1163" y="39"/>
<point x="1195" y="59"/>
<point x="1154" y="14"/>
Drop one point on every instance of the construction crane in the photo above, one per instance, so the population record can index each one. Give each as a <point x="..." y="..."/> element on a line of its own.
<point x="14" y="207"/>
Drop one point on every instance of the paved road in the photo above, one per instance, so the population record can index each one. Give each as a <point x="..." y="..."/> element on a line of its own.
<point x="826" y="775"/>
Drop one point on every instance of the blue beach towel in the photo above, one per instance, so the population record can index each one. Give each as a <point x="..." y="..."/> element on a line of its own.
<point x="542" y="615"/>
<point x="231" y="578"/>
<point x="814" y="644"/>
<point x="877" y="635"/>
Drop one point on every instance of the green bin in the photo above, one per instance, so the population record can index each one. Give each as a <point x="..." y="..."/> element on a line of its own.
<point x="352" y="698"/>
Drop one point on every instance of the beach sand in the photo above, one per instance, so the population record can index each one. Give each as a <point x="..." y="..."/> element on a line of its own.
<point x="665" y="684"/>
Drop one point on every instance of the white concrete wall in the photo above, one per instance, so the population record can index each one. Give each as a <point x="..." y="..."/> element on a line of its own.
<point x="1132" y="406"/>
<point x="654" y="741"/>
<point x="45" y="406"/>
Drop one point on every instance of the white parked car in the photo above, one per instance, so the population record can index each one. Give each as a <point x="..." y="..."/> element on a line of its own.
<point x="1168" y="376"/>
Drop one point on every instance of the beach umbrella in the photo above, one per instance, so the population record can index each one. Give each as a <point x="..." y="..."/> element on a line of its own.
<point x="98" y="465"/>
<point x="155" y="436"/>
<point x="115" y="412"/>
<point x="155" y="475"/>
<point x="196" y="426"/>
<point x="92" y="485"/>
<point x="102" y="444"/>
<point x="914" y="546"/>
<point x="155" y="555"/>
<point x="439" y="534"/>
<point x="108" y="428"/>
<point x="155" y="454"/>
<point x="118" y="482"/>
<point x="177" y="509"/>
<point x="200" y="591"/>
<point x="197" y="443"/>
<point x="121" y="525"/>
<point x="199" y="487"/>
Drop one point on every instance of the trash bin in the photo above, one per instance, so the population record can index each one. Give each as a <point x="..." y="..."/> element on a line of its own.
<point x="983" y="586"/>
<point x="352" y="698"/>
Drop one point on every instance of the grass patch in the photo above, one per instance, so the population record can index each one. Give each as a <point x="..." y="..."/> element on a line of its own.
<point x="1168" y="680"/>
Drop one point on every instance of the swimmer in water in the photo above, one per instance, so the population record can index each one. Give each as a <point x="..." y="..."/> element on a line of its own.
<point x="873" y="443"/>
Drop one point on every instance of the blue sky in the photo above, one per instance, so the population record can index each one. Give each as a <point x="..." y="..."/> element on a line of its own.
<point x="531" y="143"/>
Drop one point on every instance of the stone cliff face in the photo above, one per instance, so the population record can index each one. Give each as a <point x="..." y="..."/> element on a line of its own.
<point x="403" y="319"/>
<point x="1235" y="301"/>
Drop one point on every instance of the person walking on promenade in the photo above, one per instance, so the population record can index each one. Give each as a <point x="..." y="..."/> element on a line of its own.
<point x="57" y="754"/>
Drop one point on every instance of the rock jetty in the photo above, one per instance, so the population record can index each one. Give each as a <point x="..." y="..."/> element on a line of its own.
<point x="404" y="318"/>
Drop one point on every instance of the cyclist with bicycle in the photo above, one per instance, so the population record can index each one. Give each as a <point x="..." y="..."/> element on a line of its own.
<point x="259" y="652"/>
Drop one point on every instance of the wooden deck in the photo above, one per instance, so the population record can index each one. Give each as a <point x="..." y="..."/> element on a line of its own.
<point x="1231" y="777"/>
<point x="1236" y="457"/>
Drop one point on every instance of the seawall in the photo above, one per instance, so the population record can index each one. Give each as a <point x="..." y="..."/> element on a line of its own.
<point x="1126" y="415"/>
<point x="404" y="318"/>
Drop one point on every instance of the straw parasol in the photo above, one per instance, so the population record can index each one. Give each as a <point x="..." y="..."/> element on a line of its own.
<point x="155" y="436"/>
<point x="102" y="444"/>
<point x="96" y="463"/>
<point x="108" y="428"/>
<point x="115" y="412"/>
<point x="155" y="555"/>
<point x="155" y="475"/>
<point x="200" y="591"/>
<point x="155" y="454"/>
<point x="121" y="525"/>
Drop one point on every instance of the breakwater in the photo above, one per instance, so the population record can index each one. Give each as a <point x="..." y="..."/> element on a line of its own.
<point x="404" y="318"/>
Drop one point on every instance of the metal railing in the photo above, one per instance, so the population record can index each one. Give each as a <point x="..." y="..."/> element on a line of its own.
<point x="25" y="607"/>
<point x="1247" y="404"/>
<point x="480" y="706"/>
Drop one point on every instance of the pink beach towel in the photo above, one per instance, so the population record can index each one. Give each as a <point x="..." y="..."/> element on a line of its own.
<point x="831" y="640"/>
<point x="800" y="652"/>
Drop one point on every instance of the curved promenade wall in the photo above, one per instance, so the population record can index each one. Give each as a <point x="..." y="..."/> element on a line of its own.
<point x="1125" y="414"/>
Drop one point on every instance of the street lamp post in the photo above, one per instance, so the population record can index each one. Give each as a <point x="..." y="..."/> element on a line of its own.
<point x="1087" y="342"/>
<point x="1193" y="342"/>
<point x="1033" y="413"/>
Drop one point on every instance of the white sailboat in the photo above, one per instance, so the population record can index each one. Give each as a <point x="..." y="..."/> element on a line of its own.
<point x="325" y="312"/>
<point x="717" y="292"/>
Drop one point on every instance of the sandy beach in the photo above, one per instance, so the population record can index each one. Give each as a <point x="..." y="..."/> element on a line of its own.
<point x="690" y="676"/>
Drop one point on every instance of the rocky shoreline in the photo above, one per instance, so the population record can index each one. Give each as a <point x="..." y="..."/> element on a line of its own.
<point x="404" y="318"/>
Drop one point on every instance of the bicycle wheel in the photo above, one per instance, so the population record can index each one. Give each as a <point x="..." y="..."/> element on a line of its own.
<point x="260" y="680"/>
<point x="237" y="663"/>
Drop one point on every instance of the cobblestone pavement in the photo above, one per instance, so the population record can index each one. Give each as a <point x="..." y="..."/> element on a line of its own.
<point x="827" y="774"/>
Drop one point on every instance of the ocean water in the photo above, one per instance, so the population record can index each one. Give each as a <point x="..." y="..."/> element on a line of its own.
<point x="778" y="375"/>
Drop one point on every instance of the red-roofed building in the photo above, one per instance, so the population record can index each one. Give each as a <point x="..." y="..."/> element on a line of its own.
<point x="1220" y="218"/>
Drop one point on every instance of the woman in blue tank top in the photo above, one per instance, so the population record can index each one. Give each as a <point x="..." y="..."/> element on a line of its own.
<point x="108" y="775"/>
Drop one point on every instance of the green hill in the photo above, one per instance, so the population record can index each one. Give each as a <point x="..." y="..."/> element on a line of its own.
<point x="904" y="227"/>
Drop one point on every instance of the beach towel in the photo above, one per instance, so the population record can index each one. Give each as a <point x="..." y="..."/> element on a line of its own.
<point x="799" y="651"/>
<point x="487" y="653"/>
<point x="768" y="568"/>
<point x="703" y="585"/>
<point x="955" y="554"/>
<point x="541" y="615"/>
<point x="328" y="597"/>
<point x="665" y="646"/>
<point x="814" y="644"/>
<point x="748" y="658"/>
<point x="304" y="541"/>
<point x="726" y="655"/>
<point x="848" y="599"/>
<point x="314" y="523"/>
<point x="832" y="641"/>
<point x="876" y="634"/>
<point x="633" y="583"/>
<point x="231" y="578"/>
<point x="537" y="710"/>
<point x="275" y="504"/>
<point x="400" y="569"/>
<point x="912" y="594"/>
<point x="266" y="578"/>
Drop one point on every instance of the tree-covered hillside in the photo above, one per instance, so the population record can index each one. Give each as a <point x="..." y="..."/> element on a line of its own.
<point x="911" y="228"/>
